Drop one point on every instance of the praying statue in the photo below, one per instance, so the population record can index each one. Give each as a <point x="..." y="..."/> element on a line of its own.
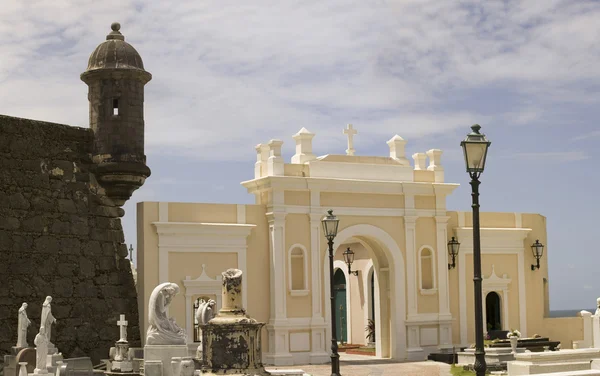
<point x="597" y="307"/>
<point x="23" y="324"/>
<point x="205" y="311"/>
<point x="41" y="351"/>
<point x="163" y="330"/>
<point x="47" y="319"/>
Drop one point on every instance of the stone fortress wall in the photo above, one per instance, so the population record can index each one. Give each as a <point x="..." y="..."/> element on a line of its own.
<point x="60" y="235"/>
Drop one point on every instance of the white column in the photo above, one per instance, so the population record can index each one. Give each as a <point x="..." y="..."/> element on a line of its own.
<point x="317" y="323"/>
<point x="278" y="353"/>
<point x="587" y="330"/>
<point x="596" y="331"/>
<point x="522" y="294"/>
<point x="505" y="310"/>
<point x="189" y="318"/>
<point x="410" y="228"/>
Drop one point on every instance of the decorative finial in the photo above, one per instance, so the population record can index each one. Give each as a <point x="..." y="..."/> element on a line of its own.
<point x="330" y="212"/>
<point x="115" y="33"/>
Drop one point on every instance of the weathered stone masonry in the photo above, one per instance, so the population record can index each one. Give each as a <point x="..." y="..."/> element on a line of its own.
<point x="60" y="236"/>
<point x="61" y="192"/>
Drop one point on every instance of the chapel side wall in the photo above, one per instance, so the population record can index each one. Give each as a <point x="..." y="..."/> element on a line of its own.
<point x="534" y="279"/>
<point x="147" y="259"/>
<point x="258" y="264"/>
<point x="507" y="264"/>
<point x="187" y="262"/>
<point x="563" y="329"/>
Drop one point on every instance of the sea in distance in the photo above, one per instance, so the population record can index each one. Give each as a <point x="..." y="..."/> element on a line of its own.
<point x="569" y="312"/>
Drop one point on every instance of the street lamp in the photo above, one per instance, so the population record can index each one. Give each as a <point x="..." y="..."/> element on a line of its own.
<point x="453" y="247"/>
<point x="538" y="251"/>
<point x="475" y="148"/>
<point x="330" y="226"/>
<point x="349" y="258"/>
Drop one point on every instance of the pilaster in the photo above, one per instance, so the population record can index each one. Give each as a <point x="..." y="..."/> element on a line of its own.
<point x="317" y="323"/>
<point x="278" y="353"/>
<point x="410" y="229"/>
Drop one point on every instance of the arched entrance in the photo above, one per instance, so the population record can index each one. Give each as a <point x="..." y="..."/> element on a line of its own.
<point x="339" y="288"/>
<point x="493" y="316"/>
<point x="389" y="283"/>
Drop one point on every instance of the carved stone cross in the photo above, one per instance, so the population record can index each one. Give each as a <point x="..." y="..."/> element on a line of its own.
<point x="123" y="329"/>
<point x="350" y="132"/>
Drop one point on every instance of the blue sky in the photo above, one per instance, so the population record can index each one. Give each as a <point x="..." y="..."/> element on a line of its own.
<point x="228" y="76"/>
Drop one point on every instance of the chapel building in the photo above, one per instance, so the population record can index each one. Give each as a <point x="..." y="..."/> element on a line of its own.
<point x="392" y="216"/>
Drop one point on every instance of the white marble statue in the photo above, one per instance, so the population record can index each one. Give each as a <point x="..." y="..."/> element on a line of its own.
<point x="47" y="319"/>
<point x="41" y="351"/>
<point x="206" y="311"/>
<point x="597" y="307"/>
<point x="163" y="330"/>
<point x="23" y="324"/>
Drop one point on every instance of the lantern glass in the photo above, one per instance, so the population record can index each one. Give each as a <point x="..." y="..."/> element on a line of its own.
<point x="453" y="247"/>
<point x="349" y="256"/>
<point x="330" y="225"/>
<point x="475" y="148"/>
<point x="538" y="249"/>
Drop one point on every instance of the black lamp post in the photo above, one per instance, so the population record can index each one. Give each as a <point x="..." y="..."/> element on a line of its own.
<point x="538" y="251"/>
<point x="475" y="148"/>
<point x="453" y="247"/>
<point x="349" y="258"/>
<point x="330" y="226"/>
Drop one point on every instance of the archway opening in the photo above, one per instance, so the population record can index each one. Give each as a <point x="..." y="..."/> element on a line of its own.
<point x="375" y="289"/>
<point x="371" y="331"/>
<point x="493" y="312"/>
<point x="339" y="289"/>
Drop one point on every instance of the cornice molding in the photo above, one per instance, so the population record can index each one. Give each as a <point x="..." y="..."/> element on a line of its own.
<point x="346" y="185"/>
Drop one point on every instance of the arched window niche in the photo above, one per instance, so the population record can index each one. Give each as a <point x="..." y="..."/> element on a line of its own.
<point x="298" y="270"/>
<point x="427" y="278"/>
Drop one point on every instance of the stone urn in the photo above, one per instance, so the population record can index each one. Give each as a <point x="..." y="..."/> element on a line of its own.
<point x="513" y="343"/>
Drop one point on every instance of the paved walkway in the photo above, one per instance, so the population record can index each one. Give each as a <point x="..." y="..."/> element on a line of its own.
<point x="364" y="365"/>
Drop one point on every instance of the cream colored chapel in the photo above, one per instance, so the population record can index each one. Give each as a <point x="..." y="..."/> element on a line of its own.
<point x="392" y="216"/>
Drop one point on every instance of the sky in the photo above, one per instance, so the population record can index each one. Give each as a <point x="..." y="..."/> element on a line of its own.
<point x="229" y="75"/>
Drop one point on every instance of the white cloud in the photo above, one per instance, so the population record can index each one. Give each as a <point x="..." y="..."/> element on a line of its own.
<point x="227" y="76"/>
<point x="587" y="136"/>
<point x="564" y="156"/>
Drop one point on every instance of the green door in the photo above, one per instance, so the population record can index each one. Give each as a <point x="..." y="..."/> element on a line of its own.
<point x="339" y="287"/>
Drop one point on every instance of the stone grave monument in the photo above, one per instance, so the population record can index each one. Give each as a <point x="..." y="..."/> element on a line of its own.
<point x="204" y="313"/>
<point x="120" y="357"/>
<point x="231" y="341"/>
<point x="165" y="340"/>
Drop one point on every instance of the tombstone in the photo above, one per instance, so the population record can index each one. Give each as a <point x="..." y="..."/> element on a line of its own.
<point x="120" y="360"/>
<point x="27" y="355"/>
<point x="76" y="367"/>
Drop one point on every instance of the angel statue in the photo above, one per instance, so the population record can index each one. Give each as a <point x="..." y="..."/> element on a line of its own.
<point x="23" y="323"/>
<point x="47" y="319"/>
<point x="205" y="311"/>
<point x="163" y="330"/>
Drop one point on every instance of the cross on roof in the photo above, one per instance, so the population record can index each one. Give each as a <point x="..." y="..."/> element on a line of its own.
<point x="122" y="323"/>
<point x="350" y="132"/>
